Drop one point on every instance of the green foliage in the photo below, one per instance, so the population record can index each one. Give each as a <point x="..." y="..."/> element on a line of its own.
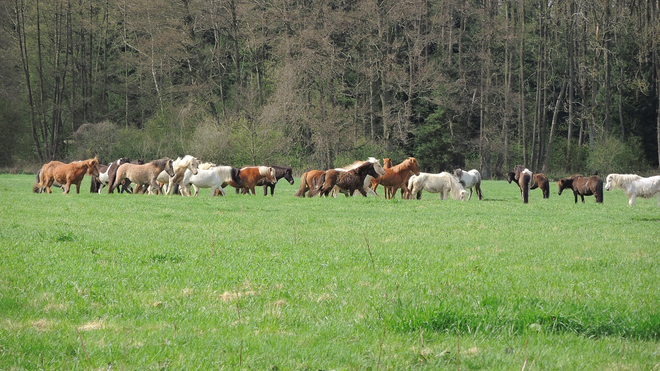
<point x="434" y="144"/>
<point x="612" y="155"/>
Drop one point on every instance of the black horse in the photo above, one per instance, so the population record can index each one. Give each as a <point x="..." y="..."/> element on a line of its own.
<point x="285" y="172"/>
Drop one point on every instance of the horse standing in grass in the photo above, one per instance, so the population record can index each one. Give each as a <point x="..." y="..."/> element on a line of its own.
<point x="538" y="180"/>
<point x="250" y="175"/>
<point x="213" y="177"/>
<point x="285" y="172"/>
<point x="308" y="181"/>
<point x="106" y="175"/>
<point x="180" y="165"/>
<point x="583" y="186"/>
<point x="397" y="177"/>
<point x="65" y="174"/>
<point x="634" y="185"/>
<point x="367" y="180"/>
<point x="142" y="175"/>
<point x="470" y="179"/>
<point x="351" y="180"/>
<point x="443" y="183"/>
<point x="38" y="189"/>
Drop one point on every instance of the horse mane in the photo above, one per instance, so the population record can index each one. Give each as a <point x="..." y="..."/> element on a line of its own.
<point x="162" y="162"/>
<point x="620" y="179"/>
<point x="266" y="170"/>
<point x="182" y="163"/>
<point x="206" y="165"/>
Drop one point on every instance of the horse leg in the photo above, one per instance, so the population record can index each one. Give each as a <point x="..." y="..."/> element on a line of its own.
<point x="478" y="187"/>
<point x="631" y="201"/>
<point x="266" y="190"/>
<point x="581" y="195"/>
<point x="470" y="196"/>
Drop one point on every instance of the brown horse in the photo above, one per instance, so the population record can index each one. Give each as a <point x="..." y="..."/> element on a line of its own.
<point x="583" y="186"/>
<point x="106" y="175"/>
<point x="397" y="177"/>
<point x="142" y="175"/>
<point x="538" y="180"/>
<point x="65" y="174"/>
<point x="350" y="180"/>
<point x="308" y="181"/>
<point x="250" y="175"/>
<point x="285" y="172"/>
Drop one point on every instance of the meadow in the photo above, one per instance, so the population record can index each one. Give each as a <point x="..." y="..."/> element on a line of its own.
<point x="127" y="282"/>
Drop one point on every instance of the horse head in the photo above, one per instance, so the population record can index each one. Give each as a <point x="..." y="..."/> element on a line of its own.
<point x="610" y="182"/>
<point x="371" y="170"/>
<point x="387" y="163"/>
<point x="379" y="169"/>
<point x="270" y="175"/>
<point x="561" y="184"/>
<point x="413" y="165"/>
<point x="169" y="168"/>
<point x="510" y="176"/>
<point x="92" y="167"/>
<point x="288" y="175"/>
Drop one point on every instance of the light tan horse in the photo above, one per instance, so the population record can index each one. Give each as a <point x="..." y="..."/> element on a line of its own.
<point x="307" y="182"/>
<point x="143" y="175"/>
<point x="65" y="174"/>
<point x="397" y="177"/>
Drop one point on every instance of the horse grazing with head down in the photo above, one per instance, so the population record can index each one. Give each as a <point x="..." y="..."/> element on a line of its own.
<point x="65" y="174"/>
<point x="583" y="186"/>
<point x="443" y="183"/>
<point x="634" y="185"/>
<point x="470" y="179"/>
<point x="142" y="175"/>
<point x="397" y="177"/>
<point x="308" y="181"/>
<point x="348" y="180"/>
<point x="285" y="172"/>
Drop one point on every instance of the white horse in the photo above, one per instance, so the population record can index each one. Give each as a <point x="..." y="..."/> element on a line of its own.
<point x="634" y="185"/>
<point x="470" y="179"/>
<point x="211" y="178"/>
<point x="179" y="165"/>
<point x="367" y="180"/>
<point x="443" y="183"/>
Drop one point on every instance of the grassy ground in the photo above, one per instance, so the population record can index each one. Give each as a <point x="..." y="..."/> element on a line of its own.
<point x="238" y="282"/>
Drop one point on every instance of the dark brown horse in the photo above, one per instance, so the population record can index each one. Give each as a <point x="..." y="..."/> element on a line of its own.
<point x="350" y="180"/>
<point x="583" y="186"/>
<point x="308" y="181"/>
<point x="397" y="177"/>
<point x="538" y="180"/>
<point x="65" y="174"/>
<point x="250" y="175"/>
<point x="285" y="172"/>
<point x="106" y="175"/>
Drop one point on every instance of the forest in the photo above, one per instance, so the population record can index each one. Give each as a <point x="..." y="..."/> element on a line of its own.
<point x="562" y="87"/>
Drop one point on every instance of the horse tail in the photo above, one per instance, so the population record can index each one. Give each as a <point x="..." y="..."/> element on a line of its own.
<point x="525" y="187"/>
<point x="303" y="185"/>
<point x="599" y="191"/>
<point x="317" y="185"/>
<point x="37" y="186"/>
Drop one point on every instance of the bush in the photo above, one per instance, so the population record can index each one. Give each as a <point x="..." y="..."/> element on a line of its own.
<point x="611" y="155"/>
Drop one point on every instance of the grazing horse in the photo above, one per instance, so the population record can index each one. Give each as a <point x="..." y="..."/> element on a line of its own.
<point x="634" y="185"/>
<point x="212" y="178"/>
<point x="349" y="180"/>
<point x="470" y="179"/>
<point x="106" y="175"/>
<point x="583" y="186"/>
<point x="397" y="177"/>
<point x="285" y="172"/>
<point x="179" y="166"/>
<point x="308" y="181"/>
<point x="538" y="180"/>
<point x="142" y="175"/>
<point x="367" y="180"/>
<point x="443" y="183"/>
<point x="65" y="174"/>
<point x="250" y="175"/>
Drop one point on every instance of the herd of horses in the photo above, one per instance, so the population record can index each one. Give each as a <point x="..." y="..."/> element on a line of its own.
<point x="167" y="176"/>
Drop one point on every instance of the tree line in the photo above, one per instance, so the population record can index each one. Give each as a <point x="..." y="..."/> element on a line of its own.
<point x="562" y="87"/>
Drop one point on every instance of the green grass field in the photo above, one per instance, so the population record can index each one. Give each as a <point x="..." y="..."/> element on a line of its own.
<point x="137" y="282"/>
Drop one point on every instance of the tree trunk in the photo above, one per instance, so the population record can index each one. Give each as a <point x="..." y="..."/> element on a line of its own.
<point x="548" y="154"/>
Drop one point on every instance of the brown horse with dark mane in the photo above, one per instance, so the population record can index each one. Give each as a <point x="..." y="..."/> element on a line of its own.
<point x="285" y="172"/>
<point x="308" y="181"/>
<point x="583" y="186"/>
<point x="538" y="180"/>
<point x="397" y="177"/>
<point x="142" y="175"/>
<point x="350" y="180"/>
<point x="65" y="174"/>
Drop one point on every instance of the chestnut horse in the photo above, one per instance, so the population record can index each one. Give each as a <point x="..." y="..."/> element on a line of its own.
<point x="285" y="172"/>
<point x="142" y="175"/>
<point x="350" y="180"/>
<point x="397" y="177"/>
<point x="37" y="189"/>
<point x="250" y="175"/>
<point x="308" y="181"/>
<point x="65" y="174"/>
<point x="583" y="186"/>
